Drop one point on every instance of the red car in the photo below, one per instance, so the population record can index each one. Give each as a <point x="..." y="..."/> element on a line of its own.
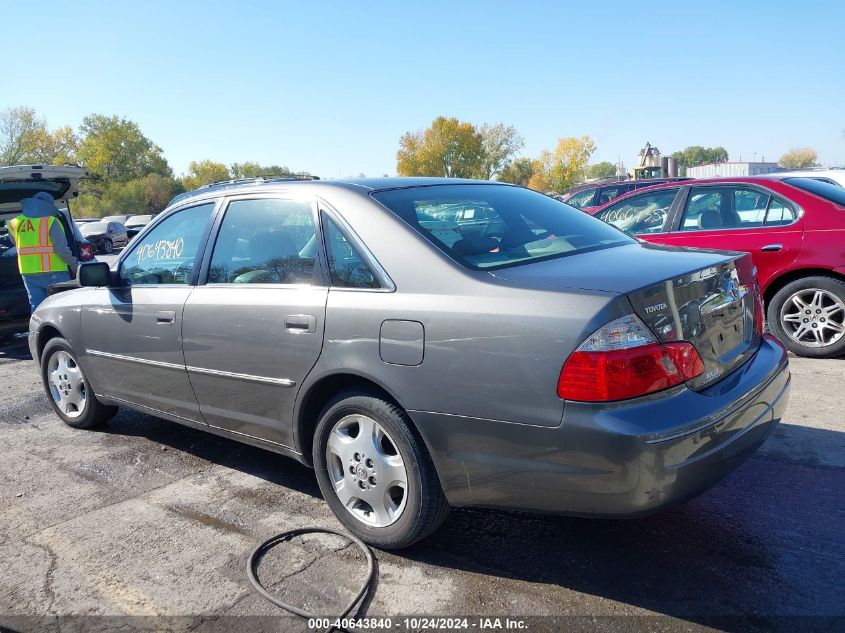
<point x="794" y="229"/>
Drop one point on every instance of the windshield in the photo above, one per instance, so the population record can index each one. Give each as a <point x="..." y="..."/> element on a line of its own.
<point x="498" y="225"/>
<point x="834" y="193"/>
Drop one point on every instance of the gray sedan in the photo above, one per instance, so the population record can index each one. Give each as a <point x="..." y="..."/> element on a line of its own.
<point x="532" y="357"/>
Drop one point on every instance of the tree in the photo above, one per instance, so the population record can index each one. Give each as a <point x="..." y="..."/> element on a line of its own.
<point x="518" y="172"/>
<point x="498" y="143"/>
<point x="799" y="158"/>
<point x="604" y="169"/>
<point x="254" y="170"/>
<point x="449" y="148"/>
<point x="204" y="172"/>
<point x="115" y="149"/>
<point x="698" y="155"/>
<point x="25" y="138"/>
<point x="558" y="171"/>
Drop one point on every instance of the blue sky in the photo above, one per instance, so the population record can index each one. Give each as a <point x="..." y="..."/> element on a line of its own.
<point x="330" y="87"/>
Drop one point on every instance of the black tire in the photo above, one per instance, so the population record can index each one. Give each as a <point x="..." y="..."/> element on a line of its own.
<point x="94" y="412"/>
<point x="778" y="327"/>
<point x="107" y="247"/>
<point x="425" y="506"/>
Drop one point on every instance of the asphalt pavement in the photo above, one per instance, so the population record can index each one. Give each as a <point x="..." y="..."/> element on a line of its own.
<point x="147" y="525"/>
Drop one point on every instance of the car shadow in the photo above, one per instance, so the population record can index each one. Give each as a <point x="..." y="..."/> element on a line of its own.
<point x="15" y="349"/>
<point x="757" y="551"/>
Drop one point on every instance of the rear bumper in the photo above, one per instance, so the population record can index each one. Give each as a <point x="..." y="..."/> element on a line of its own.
<point x="620" y="459"/>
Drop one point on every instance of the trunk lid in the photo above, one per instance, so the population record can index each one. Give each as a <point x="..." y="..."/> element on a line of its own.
<point x="706" y="297"/>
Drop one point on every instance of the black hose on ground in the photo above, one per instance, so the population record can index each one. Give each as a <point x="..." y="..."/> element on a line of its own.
<point x="261" y="550"/>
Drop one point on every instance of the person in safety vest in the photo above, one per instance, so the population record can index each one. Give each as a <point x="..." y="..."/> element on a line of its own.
<point x="44" y="257"/>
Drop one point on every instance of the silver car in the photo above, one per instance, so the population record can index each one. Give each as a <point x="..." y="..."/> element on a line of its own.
<point x="528" y="356"/>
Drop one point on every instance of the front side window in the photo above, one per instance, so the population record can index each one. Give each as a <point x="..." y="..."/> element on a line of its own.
<point x="642" y="213"/>
<point x="168" y="253"/>
<point x="522" y="225"/>
<point x="347" y="267"/>
<point x="265" y="241"/>
<point x="582" y="198"/>
<point x="611" y="192"/>
<point x="714" y="208"/>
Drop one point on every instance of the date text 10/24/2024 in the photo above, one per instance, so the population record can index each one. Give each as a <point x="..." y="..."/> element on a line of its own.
<point x="420" y="623"/>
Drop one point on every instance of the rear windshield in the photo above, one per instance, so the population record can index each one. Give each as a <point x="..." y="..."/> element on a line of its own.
<point x="17" y="190"/>
<point x="834" y="193"/>
<point x="485" y="227"/>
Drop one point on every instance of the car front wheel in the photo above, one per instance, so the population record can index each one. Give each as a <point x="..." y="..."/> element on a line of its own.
<point x="808" y="316"/>
<point x="67" y="387"/>
<point x="374" y="471"/>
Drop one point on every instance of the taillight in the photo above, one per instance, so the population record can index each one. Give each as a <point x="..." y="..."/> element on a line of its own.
<point x="85" y="252"/>
<point x="624" y="360"/>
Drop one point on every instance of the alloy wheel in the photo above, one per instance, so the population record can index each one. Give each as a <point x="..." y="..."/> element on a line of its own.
<point x="67" y="384"/>
<point x="814" y="317"/>
<point x="366" y="470"/>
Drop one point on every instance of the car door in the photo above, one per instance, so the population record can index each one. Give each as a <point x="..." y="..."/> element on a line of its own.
<point x="254" y="329"/>
<point x="133" y="330"/>
<point x="646" y="215"/>
<point x="740" y="217"/>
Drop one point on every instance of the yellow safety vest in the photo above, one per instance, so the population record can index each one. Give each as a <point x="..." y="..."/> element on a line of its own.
<point x="35" y="250"/>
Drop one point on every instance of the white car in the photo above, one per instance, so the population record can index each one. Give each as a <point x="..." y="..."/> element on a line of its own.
<point x="834" y="176"/>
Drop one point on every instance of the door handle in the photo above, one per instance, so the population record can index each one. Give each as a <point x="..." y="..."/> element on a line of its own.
<point x="772" y="248"/>
<point x="165" y="317"/>
<point x="300" y="323"/>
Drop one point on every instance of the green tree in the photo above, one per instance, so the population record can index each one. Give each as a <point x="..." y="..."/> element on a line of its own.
<point x="116" y="149"/>
<point x="604" y="169"/>
<point x="518" y="172"/>
<point x="698" y="155"/>
<point x="559" y="170"/>
<point x="204" y="172"/>
<point x="499" y="143"/>
<point x="799" y="158"/>
<point x="254" y="170"/>
<point x="450" y="148"/>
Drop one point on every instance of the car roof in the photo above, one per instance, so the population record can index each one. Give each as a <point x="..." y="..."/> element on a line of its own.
<point x="362" y="185"/>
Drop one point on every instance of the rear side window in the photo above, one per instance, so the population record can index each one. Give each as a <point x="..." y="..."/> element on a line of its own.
<point x="520" y="225"/>
<point x="714" y="208"/>
<point x="582" y="198"/>
<point x="642" y="213"/>
<point x="780" y="213"/>
<point x="347" y="267"/>
<point x="265" y="241"/>
<point x="610" y="192"/>
<point x="832" y="193"/>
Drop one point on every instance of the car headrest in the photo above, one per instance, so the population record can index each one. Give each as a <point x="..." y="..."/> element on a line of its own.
<point x="710" y="219"/>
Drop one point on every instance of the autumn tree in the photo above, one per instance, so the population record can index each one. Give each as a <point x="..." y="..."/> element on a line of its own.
<point x="799" y="158"/>
<point x="25" y="138"/>
<point x="115" y="149"/>
<point x="559" y="170"/>
<point x="204" y="172"/>
<point x="449" y="148"/>
<point x="518" y="172"/>
<point x="254" y="170"/>
<point x="604" y="169"/>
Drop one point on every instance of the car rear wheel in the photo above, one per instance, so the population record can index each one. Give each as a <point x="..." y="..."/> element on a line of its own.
<point x="107" y="247"/>
<point x="375" y="472"/>
<point x="67" y="388"/>
<point x="808" y="316"/>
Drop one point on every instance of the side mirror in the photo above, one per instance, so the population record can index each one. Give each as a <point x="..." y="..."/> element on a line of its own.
<point x="95" y="274"/>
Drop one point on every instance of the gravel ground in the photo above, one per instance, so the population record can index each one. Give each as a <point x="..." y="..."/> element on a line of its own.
<point x="146" y="518"/>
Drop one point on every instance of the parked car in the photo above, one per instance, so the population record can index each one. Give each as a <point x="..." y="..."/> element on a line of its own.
<point x="16" y="183"/>
<point x="121" y="218"/>
<point x="590" y="196"/>
<point x="105" y="235"/>
<point x="793" y="227"/>
<point x="135" y="223"/>
<point x="561" y="367"/>
<point x="834" y="176"/>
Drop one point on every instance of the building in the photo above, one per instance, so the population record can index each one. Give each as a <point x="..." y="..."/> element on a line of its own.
<point x="731" y="169"/>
